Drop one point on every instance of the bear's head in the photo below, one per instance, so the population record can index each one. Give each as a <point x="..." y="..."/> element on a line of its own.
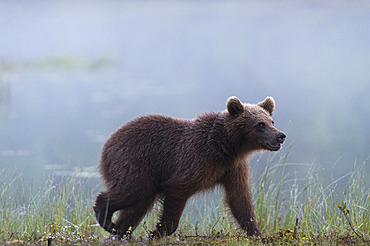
<point x="251" y="126"/>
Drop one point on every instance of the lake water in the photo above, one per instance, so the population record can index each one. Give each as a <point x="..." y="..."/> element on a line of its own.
<point x="72" y="72"/>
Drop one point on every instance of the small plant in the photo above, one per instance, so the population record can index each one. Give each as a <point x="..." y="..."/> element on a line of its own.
<point x="343" y="208"/>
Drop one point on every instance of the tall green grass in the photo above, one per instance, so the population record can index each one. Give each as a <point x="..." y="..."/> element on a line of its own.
<point x="63" y="212"/>
<point x="54" y="211"/>
<point x="314" y="199"/>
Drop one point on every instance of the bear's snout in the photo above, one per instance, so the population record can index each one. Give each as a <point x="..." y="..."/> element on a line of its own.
<point x="281" y="137"/>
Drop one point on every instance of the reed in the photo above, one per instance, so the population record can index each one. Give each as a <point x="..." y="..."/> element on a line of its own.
<point x="62" y="213"/>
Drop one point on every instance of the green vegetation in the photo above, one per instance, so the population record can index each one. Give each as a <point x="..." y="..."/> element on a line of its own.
<point x="62" y="63"/>
<point x="62" y="213"/>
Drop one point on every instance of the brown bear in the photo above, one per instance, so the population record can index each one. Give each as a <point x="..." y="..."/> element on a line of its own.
<point x="157" y="157"/>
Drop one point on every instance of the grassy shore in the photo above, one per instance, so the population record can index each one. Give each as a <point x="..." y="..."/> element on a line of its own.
<point x="61" y="214"/>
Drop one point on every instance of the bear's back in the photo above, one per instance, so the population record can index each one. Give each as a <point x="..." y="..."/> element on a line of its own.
<point x="147" y="142"/>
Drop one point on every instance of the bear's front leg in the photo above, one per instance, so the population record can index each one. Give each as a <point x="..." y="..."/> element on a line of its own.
<point x="239" y="198"/>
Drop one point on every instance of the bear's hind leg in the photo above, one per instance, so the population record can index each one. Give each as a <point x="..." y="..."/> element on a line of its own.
<point x="104" y="209"/>
<point x="172" y="211"/>
<point x="128" y="219"/>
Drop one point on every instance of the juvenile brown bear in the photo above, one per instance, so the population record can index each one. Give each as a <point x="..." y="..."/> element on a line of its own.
<point x="155" y="157"/>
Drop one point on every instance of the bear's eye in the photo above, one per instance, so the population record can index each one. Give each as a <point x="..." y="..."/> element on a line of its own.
<point x="273" y="122"/>
<point x="261" y="125"/>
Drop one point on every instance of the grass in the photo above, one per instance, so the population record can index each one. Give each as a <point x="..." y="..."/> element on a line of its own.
<point x="62" y="213"/>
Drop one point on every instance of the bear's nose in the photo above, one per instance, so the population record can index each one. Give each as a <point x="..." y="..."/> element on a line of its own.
<point x="281" y="137"/>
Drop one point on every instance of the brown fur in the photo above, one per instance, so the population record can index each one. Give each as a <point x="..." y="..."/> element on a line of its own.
<point x="155" y="155"/>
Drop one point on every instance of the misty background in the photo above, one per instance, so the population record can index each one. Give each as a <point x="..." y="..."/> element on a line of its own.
<point x="72" y="72"/>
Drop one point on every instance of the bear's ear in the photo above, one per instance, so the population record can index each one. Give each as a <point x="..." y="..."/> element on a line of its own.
<point x="268" y="104"/>
<point x="234" y="106"/>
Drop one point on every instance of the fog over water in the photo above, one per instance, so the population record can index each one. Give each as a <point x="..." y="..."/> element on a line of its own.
<point x="71" y="72"/>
